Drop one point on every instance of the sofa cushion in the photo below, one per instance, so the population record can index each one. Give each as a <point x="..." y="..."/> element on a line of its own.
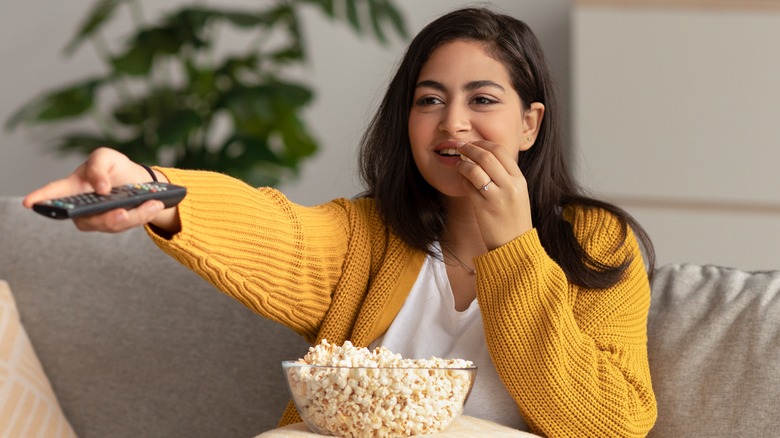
<point x="135" y="344"/>
<point x="714" y="346"/>
<point x="28" y="406"/>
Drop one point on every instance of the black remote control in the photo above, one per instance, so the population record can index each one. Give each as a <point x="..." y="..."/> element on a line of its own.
<point x="127" y="196"/>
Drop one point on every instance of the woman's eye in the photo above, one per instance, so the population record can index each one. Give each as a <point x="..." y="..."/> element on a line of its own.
<point x="428" y="100"/>
<point x="482" y="100"/>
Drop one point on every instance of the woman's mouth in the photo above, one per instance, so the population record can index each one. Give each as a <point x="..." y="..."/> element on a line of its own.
<point x="448" y="152"/>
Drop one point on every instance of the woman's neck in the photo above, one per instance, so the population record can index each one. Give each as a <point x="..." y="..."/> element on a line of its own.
<point x="461" y="243"/>
<point x="461" y="230"/>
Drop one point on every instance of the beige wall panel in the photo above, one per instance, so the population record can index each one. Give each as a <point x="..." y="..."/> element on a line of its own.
<point x="683" y="4"/>
<point x="681" y="107"/>
<point x="744" y="241"/>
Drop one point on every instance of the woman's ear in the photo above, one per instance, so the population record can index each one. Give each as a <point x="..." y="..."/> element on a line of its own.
<point x="532" y="120"/>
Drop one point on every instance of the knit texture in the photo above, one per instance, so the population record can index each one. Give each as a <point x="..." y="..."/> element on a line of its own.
<point x="574" y="360"/>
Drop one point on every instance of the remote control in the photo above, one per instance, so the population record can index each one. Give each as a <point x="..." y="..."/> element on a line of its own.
<point x="127" y="196"/>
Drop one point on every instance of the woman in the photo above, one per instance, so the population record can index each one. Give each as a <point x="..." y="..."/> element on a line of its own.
<point x="471" y="240"/>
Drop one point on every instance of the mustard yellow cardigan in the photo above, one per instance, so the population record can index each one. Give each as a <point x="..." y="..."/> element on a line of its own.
<point x="574" y="360"/>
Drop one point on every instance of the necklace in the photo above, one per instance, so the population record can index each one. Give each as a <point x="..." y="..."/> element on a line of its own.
<point x="470" y="270"/>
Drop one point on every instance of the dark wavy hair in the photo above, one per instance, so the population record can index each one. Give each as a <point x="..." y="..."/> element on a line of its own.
<point x="412" y="208"/>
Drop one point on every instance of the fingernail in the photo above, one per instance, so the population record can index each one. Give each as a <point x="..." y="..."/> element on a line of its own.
<point x="460" y="144"/>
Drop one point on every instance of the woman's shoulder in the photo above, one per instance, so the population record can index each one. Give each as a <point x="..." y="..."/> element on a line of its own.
<point x="599" y="231"/>
<point x="591" y="218"/>
<point x="363" y="208"/>
<point x="359" y="214"/>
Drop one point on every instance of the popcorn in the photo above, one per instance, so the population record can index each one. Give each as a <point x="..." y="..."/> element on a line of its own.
<point x="377" y="393"/>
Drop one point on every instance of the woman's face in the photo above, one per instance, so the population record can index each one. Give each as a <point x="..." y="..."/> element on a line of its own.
<point x="462" y="95"/>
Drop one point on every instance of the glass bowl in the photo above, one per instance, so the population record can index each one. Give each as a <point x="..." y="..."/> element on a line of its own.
<point x="377" y="402"/>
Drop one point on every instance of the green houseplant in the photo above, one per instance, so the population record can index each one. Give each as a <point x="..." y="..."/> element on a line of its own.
<point x="169" y="96"/>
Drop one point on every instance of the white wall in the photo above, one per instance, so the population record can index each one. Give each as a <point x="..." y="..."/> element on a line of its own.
<point x="675" y="117"/>
<point x="349" y="75"/>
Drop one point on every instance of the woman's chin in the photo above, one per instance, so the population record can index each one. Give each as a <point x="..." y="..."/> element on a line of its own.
<point x="454" y="193"/>
<point x="450" y="187"/>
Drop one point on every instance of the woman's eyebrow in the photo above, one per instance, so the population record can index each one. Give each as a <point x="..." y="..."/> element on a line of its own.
<point x="474" y="85"/>
<point x="470" y="86"/>
<point x="431" y="84"/>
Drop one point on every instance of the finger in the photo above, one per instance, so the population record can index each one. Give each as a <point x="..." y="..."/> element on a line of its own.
<point x="473" y="174"/>
<point x="92" y="175"/>
<point x="97" y="169"/>
<point x="70" y="185"/>
<point x="485" y="187"/>
<point x="119" y="220"/>
<point x="479" y="166"/>
<point x="502" y="155"/>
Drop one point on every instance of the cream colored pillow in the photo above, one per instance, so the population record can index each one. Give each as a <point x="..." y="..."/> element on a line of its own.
<point x="28" y="406"/>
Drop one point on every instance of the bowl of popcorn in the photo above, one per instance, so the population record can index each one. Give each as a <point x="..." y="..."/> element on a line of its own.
<point x="346" y="391"/>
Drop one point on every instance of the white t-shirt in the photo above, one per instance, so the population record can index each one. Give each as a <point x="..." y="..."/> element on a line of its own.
<point x="428" y="325"/>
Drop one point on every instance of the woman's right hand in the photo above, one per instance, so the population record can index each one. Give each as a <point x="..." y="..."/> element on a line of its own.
<point x="106" y="168"/>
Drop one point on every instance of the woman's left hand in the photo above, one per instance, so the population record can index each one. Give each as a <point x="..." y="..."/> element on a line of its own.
<point x="498" y="190"/>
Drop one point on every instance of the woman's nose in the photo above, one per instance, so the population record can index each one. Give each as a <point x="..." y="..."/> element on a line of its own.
<point x="455" y="119"/>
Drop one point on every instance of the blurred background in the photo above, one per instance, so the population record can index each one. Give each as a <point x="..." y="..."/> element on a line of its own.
<point x="670" y="105"/>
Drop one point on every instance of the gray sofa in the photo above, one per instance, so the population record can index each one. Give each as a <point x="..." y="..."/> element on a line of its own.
<point x="135" y="345"/>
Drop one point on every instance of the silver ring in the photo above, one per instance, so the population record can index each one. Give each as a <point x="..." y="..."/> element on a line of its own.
<point x="485" y="187"/>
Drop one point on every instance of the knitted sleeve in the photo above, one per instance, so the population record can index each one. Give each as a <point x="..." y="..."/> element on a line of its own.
<point x="574" y="360"/>
<point x="279" y="259"/>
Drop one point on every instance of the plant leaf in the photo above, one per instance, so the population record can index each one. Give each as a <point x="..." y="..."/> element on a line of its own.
<point x="247" y="19"/>
<point x="396" y="18"/>
<point x="290" y="94"/>
<point x="375" y="12"/>
<point x="175" y="128"/>
<point x="148" y="109"/>
<point x="379" y="12"/>
<point x="252" y="148"/>
<point x="288" y="54"/>
<point x="97" y="16"/>
<point x="195" y="18"/>
<point x="353" y="16"/>
<point x="150" y="42"/>
<point x="327" y="6"/>
<point x="235" y="64"/>
<point x="137" y="61"/>
<point x="138" y="148"/>
<point x="297" y="141"/>
<point x="63" y="103"/>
